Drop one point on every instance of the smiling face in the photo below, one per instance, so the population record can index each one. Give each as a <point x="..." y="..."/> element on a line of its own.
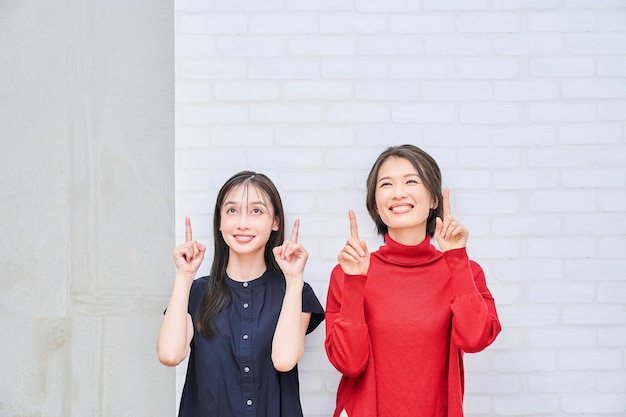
<point x="402" y="201"/>
<point x="247" y="220"/>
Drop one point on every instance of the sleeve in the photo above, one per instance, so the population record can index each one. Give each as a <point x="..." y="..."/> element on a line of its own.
<point x="311" y="304"/>
<point x="475" y="322"/>
<point x="347" y="338"/>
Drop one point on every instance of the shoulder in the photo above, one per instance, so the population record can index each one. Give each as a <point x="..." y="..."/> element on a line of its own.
<point x="198" y="287"/>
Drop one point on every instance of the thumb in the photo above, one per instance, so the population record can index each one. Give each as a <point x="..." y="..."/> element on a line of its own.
<point x="438" y="226"/>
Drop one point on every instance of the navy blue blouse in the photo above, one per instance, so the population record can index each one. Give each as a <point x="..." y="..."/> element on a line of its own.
<point x="231" y="373"/>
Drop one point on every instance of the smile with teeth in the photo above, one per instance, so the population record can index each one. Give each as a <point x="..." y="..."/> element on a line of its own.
<point x="401" y="209"/>
<point x="244" y="238"/>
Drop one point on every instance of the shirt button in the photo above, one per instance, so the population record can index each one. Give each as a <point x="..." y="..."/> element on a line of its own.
<point x="249" y="402"/>
<point x="246" y="369"/>
<point x="245" y="284"/>
<point x="245" y="337"/>
<point x="245" y="305"/>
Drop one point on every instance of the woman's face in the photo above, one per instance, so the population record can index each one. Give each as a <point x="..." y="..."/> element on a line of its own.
<point x="402" y="201"/>
<point x="247" y="220"/>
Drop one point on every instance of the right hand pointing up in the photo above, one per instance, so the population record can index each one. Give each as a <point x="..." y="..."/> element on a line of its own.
<point x="188" y="256"/>
<point x="354" y="258"/>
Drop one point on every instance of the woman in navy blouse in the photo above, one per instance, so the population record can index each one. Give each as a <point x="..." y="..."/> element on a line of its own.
<point x="244" y="323"/>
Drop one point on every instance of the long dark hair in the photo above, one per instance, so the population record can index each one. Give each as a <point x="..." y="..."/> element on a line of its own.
<point x="218" y="295"/>
<point x="429" y="173"/>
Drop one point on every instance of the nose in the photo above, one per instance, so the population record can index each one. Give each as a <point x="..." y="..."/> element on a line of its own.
<point x="243" y="220"/>
<point x="398" y="191"/>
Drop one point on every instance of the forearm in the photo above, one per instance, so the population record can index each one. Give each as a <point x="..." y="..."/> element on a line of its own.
<point x="173" y="339"/>
<point x="288" y="341"/>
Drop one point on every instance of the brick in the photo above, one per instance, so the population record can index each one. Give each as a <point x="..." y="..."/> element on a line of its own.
<point x="563" y="112"/>
<point x="493" y="384"/>
<point x="590" y="134"/>
<point x="590" y="359"/>
<point x="426" y="68"/>
<point x="214" y="113"/>
<point x="561" y="293"/>
<point x="352" y="24"/>
<point x="474" y="203"/>
<point x="606" y="225"/>
<point x="357" y="113"/>
<point x="526" y="90"/>
<point x="422" y="23"/>
<point x="495" y="248"/>
<point x="285" y="113"/>
<point x="612" y="66"/>
<point x="528" y="270"/>
<point x="248" y="5"/>
<point x="612" y="383"/>
<point x="526" y="4"/>
<point x="592" y="43"/>
<point x="562" y="67"/>
<point x="456" y="45"/>
<point x="601" y="404"/>
<point x="250" y="46"/>
<point x="216" y="69"/>
<point x="608" y="88"/>
<point x="562" y="247"/>
<point x="545" y="44"/>
<point x="246" y="90"/>
<point x="386" y="90"/>
<point x="390" y="45"/>
<point x="192" y="92"/>
<point x="561" y="337"/>
<point x="387" y="134"/>
<point x="525" y="404"/>
<point x="600" y="269"/>
<point x="611" y="156"/>
<point x="612" y="201"/>
<point x="612" y="336"/>
<point x="386" y="6"/>
<point x="489" y="113"/>
<point x="612" y="21"/>
<point x="489" y="157"/>
<point x="560" y="157"/>
<point x="246" y="136"/>
<point x="536" y="315"/>
<point x="457" y="90"/>
<point x="352" y="69"/>
<point x="266" y="158"/>
<point x="324" y="137"/>
<point x="318" y="46"/>
<point x="594" y="314"/>
<point x="284" y="69"/>
<point x="186" y="46"/>
<point x="191" y="136"/>
<point x="289" y="23"/>
<point x="561" y="21"/>
<point x="488" y="22"/>
<point x="594" y="178"/>
<point x="613" y="111"/>
<point x="612" y="293"/>
<point x="488" y="68"/>
<point x="212" y="24"/>
<point x="319" y="5"/>
<point x="535" y="179"/>
<point x="524" y="226"/>
<point x="562" y="383"/>
<point x="455" y="5"/>
<point x="423" y="113"/>
<point x="457" y="137"/>
<point x="525" y="362"/>
<point x="526" y="135"/>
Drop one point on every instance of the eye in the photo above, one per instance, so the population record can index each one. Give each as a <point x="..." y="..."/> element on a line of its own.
<point x="257" y="211"/>
<point x="230" y="210"/>
<point x="384" y="184"/>
<point x="412" y="182"/>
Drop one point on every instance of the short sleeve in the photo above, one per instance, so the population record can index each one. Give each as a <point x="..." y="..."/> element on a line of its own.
<point x="311" y="304"/>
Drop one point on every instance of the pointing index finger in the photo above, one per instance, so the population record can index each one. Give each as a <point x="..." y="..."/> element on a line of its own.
<point x="354" y="229"/>
<point x="294" y="232"/>
<point x="188" y="237"/>
<point x="446" y="203"/>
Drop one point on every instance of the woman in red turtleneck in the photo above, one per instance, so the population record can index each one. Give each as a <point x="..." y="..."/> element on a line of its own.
<point x="399" y="319"/>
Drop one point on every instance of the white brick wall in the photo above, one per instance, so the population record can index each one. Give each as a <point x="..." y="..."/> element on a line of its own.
<point x="523" y="103"/>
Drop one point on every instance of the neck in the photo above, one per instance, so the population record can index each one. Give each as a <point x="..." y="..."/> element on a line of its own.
<point x="408" y="236"/>
<point x="245" y="267"/>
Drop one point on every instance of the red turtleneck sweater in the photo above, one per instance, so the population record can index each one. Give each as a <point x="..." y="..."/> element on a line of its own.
<point x="398" y="333"/>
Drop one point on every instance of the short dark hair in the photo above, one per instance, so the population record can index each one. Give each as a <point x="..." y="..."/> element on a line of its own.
<point x="429" y="173"/>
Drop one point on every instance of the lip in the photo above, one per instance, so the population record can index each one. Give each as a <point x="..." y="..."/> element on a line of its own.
<point x="243" y="238"/>
<point x="401" y="208"/>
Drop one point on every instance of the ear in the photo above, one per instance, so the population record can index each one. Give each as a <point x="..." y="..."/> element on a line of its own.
<point x="276" y="224"/>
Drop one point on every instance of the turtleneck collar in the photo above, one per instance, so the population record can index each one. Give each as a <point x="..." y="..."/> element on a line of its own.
<point x="398" y="254"/>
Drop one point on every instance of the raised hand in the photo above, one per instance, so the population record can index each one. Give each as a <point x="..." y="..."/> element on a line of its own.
<point x="291" y="256"/>
<point x="188" y="256"/>
<point x="354" y="257"/>
<point x="449" y="233"/>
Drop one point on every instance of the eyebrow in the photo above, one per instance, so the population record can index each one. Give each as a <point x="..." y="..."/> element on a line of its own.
<point x="249" y="203"/>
